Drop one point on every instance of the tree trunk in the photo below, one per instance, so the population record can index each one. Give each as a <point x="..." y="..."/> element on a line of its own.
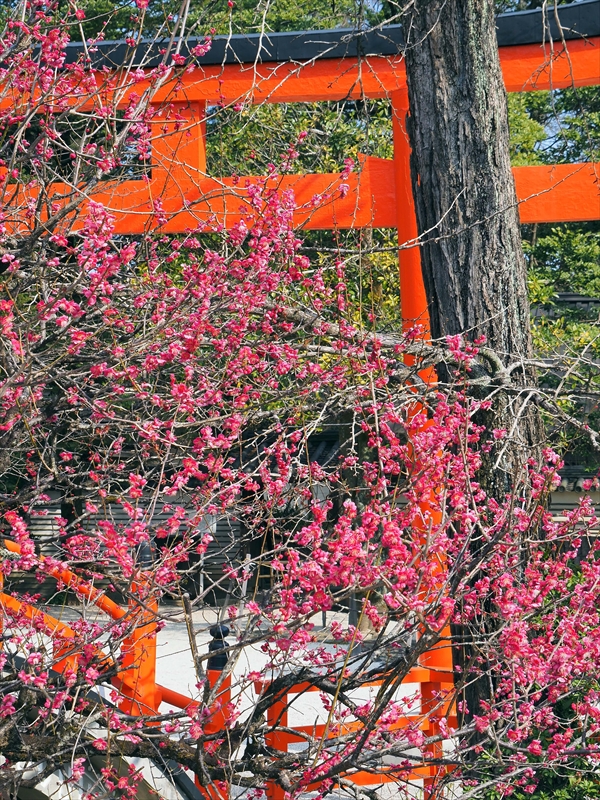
<point x="473" y="265"/>
<point x="473" y="261"/>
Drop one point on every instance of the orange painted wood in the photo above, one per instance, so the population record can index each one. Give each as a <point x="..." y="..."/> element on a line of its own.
<point x="138" y="653"/>
<point x="36" y="616"/>
<point x="413" y="301"/>
<point x="563" y="193"/>
<point x="559" y="193"/>
<point x="546" y="193"/>
<point x="189" y="205"/>
<point x="533" y="67"/>
<point x="77" y="584"/>
<point x="431" y="683"/>
<point x="178" y="136"/>
<point x="290" y="82"/>
<point x="174" y="698"/>
<point x="525" y="68"/>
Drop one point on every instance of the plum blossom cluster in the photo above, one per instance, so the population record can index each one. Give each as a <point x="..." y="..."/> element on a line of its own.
<point x="194" y="383"/>
<point x="160" y="388"/>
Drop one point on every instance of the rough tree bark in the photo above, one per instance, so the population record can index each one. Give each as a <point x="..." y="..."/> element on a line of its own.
<point x="473" y="264"/>
<point x="473" y="261"/>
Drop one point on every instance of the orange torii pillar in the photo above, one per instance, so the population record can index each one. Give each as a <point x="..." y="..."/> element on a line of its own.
<point x="178" y="139"/>
<point x="413" y="300"/>
<point x="414" y="312"/>
<point x="140" y="695"/>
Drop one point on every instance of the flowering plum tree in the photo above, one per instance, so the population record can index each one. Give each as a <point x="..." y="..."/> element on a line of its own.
<point x="157" y="384"/>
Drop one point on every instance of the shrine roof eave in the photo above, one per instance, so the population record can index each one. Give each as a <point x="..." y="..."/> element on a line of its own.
<point x="578" y="20"/>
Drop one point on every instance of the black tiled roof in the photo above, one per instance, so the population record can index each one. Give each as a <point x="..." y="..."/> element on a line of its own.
<point x="577" y="20"/>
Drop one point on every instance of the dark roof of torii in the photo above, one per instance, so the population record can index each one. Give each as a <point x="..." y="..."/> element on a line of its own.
<point x="577" y="20"/>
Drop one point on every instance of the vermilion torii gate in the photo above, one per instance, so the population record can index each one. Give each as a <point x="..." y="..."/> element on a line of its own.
<point x="335" y="65"/>
<point x="321" y="66"/>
